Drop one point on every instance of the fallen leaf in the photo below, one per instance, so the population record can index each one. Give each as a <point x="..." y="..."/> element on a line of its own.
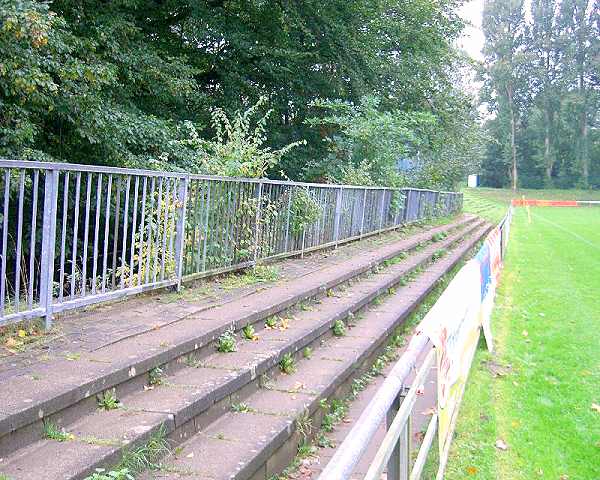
<point x="501" y="444"/>
<point x="564" y="476"/>
<point x="540" y="472"/>
<point x="542" y="314"/>
<point x="12" y="342"/>
<point x="22" y="333"/>
<point x="596" y="407"/>
<point x="525" y="333"/>
<point x="429" y="411"/>
<point x="190" y="455"/>
<point x="421" y="390"/>
<point x="472" y="470"/>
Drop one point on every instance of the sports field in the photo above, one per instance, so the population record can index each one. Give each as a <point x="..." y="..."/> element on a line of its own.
<point x="532" y="409"/>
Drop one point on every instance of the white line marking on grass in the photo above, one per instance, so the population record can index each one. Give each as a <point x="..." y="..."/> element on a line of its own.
<point x="577" y="236"/>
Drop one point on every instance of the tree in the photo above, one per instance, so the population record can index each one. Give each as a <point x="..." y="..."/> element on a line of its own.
<point x="504" y="27"/>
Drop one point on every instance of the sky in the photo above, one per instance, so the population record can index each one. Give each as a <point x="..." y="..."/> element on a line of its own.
<point x="472" y="38"/>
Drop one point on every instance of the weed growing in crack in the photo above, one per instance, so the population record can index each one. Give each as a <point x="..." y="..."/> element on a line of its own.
<point x="51" y="431"/>
<point x="155" y="376"/>
<point x="240" y="407"/>
<point x="339" y="328"/>
<point x="271" y="322"/>
<point x="304" y="426"/>
<point x="287" y="364"/>
<point x="249" y="333"/>
<point x="227" y="342"/>
<point x="102" y="474"/>
<point x="307" y="352"/>
<point x="147" y="456"/>
<point x="108" y="400"/>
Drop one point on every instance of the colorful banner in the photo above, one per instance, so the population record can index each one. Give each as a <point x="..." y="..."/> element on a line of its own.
<point x="454" y="322"/>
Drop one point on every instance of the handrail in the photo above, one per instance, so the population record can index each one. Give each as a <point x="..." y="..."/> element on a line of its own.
<point x="345" y="459"/>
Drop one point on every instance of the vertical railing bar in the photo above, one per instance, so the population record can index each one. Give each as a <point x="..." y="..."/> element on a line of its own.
<point x="206" y="228"/>
<point x="142" y="229"/>
<point x="125" y="227"/>
<point x="19" y="240"/>
<point x="257" y="222"/>
<point x="149" y="253"/>
<point x="48" y="244"/>
<point x="362" y="218"/>
<point x="75" y="232"/>
<point x="287" y="221"/>
<point x="106" y="229"/>
<point x="165" y="228"/>
<point x="113" y="275"/>
<point x="63" y="235"/>
<point x="136" y="190"/>
<point x="198" y="222"/>
<point x="4" y="239"/>
<point x="32" y="239"/>
<point x="158" y="222"/>
<point x="96" y="233"/>
<point x="173" y="224"/>
<point x="182" y="197"/>
<point x="86" y="234"/>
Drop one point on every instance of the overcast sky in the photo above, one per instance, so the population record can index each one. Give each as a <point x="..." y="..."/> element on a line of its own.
<point x="472" y="39"/>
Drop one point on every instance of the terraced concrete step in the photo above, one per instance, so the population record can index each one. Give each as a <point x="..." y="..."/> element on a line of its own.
<point x="220" y="380"/>
<point x="262" y="440"/>
<point x="54" y="387"/>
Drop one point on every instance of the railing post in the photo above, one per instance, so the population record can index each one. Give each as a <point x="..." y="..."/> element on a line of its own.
<point x="180" y="229"/>
<point x="381" y="208"/>
<point x="48" y="244"/>
<point x="362" y="216"/>
<point x="257" y="221"/>
<point x="398" y="467"/>
<point x="337" y="216"/>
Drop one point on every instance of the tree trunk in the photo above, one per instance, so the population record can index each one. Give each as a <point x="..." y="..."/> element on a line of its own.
<point x="513" y="146"/>
<point x="583" y="150"/>
<point x="548" y="158"/>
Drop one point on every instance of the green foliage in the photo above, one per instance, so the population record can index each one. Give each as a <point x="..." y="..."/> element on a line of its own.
<point x="287" y="364"/>
<point x="227" y="342"/>
<point x="169" y="85"/>
<point x="249" y="333"/>
<point x="271" y="322"/>
<point x="539" y="81"/>
<point x="339" y="328"/>
<point x="304" y="210"/>
<point x="108" y="400"/>
<point x="52" y="431"/>
<point x="102" y="474"/>
<point x="240" y="408"/>
<point x="307" y="352"/>
<point x="155" y="376"/>
<point x="238" y="148"/>
<point x="146" y="456"/>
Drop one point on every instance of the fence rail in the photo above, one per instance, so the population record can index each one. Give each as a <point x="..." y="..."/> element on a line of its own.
<point x="394" y="401"/>
<point x="73" y="235"/>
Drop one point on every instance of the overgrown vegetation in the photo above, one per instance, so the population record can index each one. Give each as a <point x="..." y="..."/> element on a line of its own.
<point x="108" y="400"/>
<point x="163" y="85"/>
<point x="227" y="342"/>
<point x="287" y="364"/>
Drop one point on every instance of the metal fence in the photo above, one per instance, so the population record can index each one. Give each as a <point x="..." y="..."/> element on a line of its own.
<point x="73" y="235"/>
<point x="393" y="404"/>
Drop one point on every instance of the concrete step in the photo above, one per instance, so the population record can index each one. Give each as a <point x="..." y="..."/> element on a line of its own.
<point x="64" y="390"/>
<point x="262" y="439"/>
<point x="199" y="388"/>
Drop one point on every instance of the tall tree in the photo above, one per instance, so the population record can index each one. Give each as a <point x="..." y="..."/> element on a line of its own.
<point x="504" y="28"/>
<point x="580" y="20"/>
<point x="545" y="54"/>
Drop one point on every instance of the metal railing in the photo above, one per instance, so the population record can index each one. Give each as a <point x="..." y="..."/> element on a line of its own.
<point x="73" y="235"/>
<point x="394" y="402"/>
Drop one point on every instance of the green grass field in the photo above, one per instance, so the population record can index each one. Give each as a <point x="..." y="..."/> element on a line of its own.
<point x="539" y="393"/>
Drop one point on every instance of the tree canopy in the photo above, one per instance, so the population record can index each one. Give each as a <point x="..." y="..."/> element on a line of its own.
<point x="542" y="84"/>
<point x="129" y="82"/>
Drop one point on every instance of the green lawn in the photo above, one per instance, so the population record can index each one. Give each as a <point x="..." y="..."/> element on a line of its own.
<point x="537" y="392"/>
